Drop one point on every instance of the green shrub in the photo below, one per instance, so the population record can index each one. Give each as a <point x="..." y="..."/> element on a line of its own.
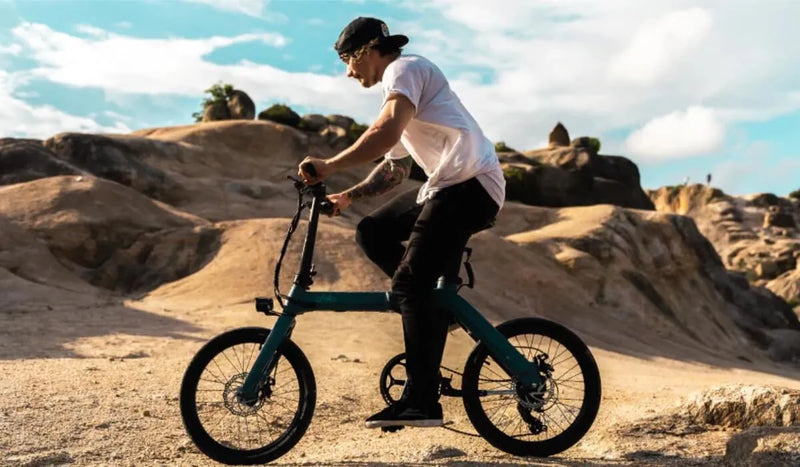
<point x="594" y="143"/>
<point x="516" y="184"/>
<point x="219" y="92"/>
<point x="795" y="194"/>
<point x="281" y="113"/>
<point x="355" y="131"/>
<point x="500" y="146"/>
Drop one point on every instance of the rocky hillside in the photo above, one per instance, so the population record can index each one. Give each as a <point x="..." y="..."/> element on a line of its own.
<point x="138" y="246"/>
<point x="757" y="236"/>
<point x="146" y="212"/>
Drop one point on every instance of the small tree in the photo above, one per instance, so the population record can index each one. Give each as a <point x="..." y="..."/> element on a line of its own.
<point x="594" y="143"/>
<point x="219" y="92"/>
<point x="355" y="131"/>
<point x="500" y="146"/>
<point x="795" y="194"/>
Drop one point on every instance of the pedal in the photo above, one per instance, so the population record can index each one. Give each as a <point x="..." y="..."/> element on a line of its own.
<point x="391" y="429"/>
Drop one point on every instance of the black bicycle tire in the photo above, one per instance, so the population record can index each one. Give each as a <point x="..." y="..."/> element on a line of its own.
<point x="588" y="410"/>
<point x="280" y="446"/>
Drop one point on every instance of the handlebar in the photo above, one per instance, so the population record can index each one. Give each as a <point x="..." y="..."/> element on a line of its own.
<point x="309" y="168"/>
<point x="317" y="190"/>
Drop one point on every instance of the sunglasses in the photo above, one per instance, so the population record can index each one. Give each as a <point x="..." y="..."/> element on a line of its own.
<point x="346" y="56"/>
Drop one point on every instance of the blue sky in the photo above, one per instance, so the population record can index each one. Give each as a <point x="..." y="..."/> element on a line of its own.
<point x="683" y="88"/>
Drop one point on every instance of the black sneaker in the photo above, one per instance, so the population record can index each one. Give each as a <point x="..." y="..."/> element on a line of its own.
<point x="402" y="415"/>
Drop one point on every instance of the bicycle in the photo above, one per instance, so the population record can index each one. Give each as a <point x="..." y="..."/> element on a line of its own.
<point x="256" y="376"/>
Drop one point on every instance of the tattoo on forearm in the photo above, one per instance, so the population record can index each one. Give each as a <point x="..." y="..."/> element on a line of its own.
<point x="387" y="175"/>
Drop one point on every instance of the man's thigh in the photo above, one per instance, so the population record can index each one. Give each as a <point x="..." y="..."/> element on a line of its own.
<point x="395" y="219"/>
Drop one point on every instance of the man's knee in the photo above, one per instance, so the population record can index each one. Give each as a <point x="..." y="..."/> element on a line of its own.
<point x="366" y="234"/>
<point x="410" y="290"/>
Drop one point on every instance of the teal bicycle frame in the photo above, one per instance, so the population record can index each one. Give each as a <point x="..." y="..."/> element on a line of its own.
<point x="300" y="300"/>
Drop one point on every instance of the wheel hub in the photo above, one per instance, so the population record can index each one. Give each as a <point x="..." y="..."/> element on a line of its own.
<point x="233" y="401"/>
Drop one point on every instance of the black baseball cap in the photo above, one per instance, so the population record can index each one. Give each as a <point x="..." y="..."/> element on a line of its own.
<point x="362" y="30"/>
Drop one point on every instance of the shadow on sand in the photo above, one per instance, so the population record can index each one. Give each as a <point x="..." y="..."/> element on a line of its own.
<point x="44" y="333"/>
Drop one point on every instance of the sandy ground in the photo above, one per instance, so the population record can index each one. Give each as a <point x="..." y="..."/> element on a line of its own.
<point x="99" y="385"/>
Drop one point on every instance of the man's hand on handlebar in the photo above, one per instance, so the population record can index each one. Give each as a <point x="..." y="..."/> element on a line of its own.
<point x="313" y="170"/>
<point x="340" y="202"/>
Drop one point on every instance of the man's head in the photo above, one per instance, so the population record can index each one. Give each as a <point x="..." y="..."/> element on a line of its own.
<point x="366" y="47"/>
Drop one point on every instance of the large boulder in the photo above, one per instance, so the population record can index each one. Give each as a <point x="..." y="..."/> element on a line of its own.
<point x="745" y="406"/>
<point x="764" y="447"/>
<point x="340" y="121"/>
<point x="335" y="137"/>
<point x="280" y="113"/>
<point x="240" y="106"/>
<point x="314" y="122"/>
<point x="120" y="160"/>
<point x="216" y="111"/>
<point x="559" y="136"/>
<point x="22" y="160"/>
<point x="571" y="173"/>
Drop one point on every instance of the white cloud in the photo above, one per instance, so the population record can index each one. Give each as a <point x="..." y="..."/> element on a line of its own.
<point x="576" y="61"/>
<point x="121" y="65"/>
<point x="602" y="68"/>
<point x="255" y="8"/>
<point x="20" y="119"/>
<point x="695" y="131"/>
<point x="91" y="30"/>
<point x="658" y="45"/>
<point x="758" y="164"/>
<point x="13" y="49"/>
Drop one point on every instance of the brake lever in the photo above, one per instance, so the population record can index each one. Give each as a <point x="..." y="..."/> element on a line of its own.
<point x="298" y="184"/>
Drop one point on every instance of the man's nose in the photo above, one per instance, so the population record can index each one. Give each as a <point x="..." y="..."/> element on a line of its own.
<point x="350" y="72"/>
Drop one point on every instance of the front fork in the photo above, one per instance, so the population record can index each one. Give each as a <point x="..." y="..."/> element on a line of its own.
<point x="248" y="393"/>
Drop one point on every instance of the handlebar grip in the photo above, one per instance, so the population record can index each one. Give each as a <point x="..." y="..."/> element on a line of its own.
<point x="308" y="167"/>
<point x="326" y="207"/>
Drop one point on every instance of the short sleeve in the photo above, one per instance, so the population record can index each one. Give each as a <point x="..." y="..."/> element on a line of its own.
<point x="397" y="152"/>
<point x="405" y="79"/>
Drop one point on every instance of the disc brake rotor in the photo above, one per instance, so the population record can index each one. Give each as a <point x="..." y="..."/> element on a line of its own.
<point x="232" y="401"/>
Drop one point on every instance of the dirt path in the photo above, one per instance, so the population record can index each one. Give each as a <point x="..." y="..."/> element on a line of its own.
<point x="100" y="386"/>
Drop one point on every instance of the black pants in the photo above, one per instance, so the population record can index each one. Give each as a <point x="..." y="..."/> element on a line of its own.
<point x="437" y="233"/>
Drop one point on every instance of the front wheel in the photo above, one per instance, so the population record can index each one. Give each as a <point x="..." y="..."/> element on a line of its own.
<point x="527" y="421"/>
<point x="230" y="431"/>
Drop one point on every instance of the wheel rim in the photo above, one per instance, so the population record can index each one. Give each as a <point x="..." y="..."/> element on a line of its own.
<point x="533" y="413"/>
<point x="240" y="426"/>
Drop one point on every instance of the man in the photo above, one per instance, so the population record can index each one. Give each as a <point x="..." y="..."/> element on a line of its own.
<point x="419" y="115"/>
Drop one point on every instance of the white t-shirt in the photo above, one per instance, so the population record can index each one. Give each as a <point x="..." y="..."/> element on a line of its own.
<point x="443" y="138"/>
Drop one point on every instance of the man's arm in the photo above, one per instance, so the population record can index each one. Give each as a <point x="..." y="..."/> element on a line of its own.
<point x="380" y="137"/>
<point x="387" y="175"/>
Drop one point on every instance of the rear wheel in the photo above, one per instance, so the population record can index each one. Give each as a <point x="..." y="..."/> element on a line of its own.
<point x="528" y="421"/>
<point x="230" y="431"/>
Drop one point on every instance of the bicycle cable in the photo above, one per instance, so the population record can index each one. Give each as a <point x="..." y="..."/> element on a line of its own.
<point x="292" y="227"/>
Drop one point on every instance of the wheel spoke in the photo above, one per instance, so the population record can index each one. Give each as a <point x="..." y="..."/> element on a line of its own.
<point x="516" y="411"/>
<point x="268" y="423"/>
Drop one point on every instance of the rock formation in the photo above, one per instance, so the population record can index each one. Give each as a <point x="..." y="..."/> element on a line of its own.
<point x="240" y="106"/>
<point x="572" y="174"/>
<point x="22" y="160"/>
<point x="754" y="235"/>
<point x="234" y="105"/>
